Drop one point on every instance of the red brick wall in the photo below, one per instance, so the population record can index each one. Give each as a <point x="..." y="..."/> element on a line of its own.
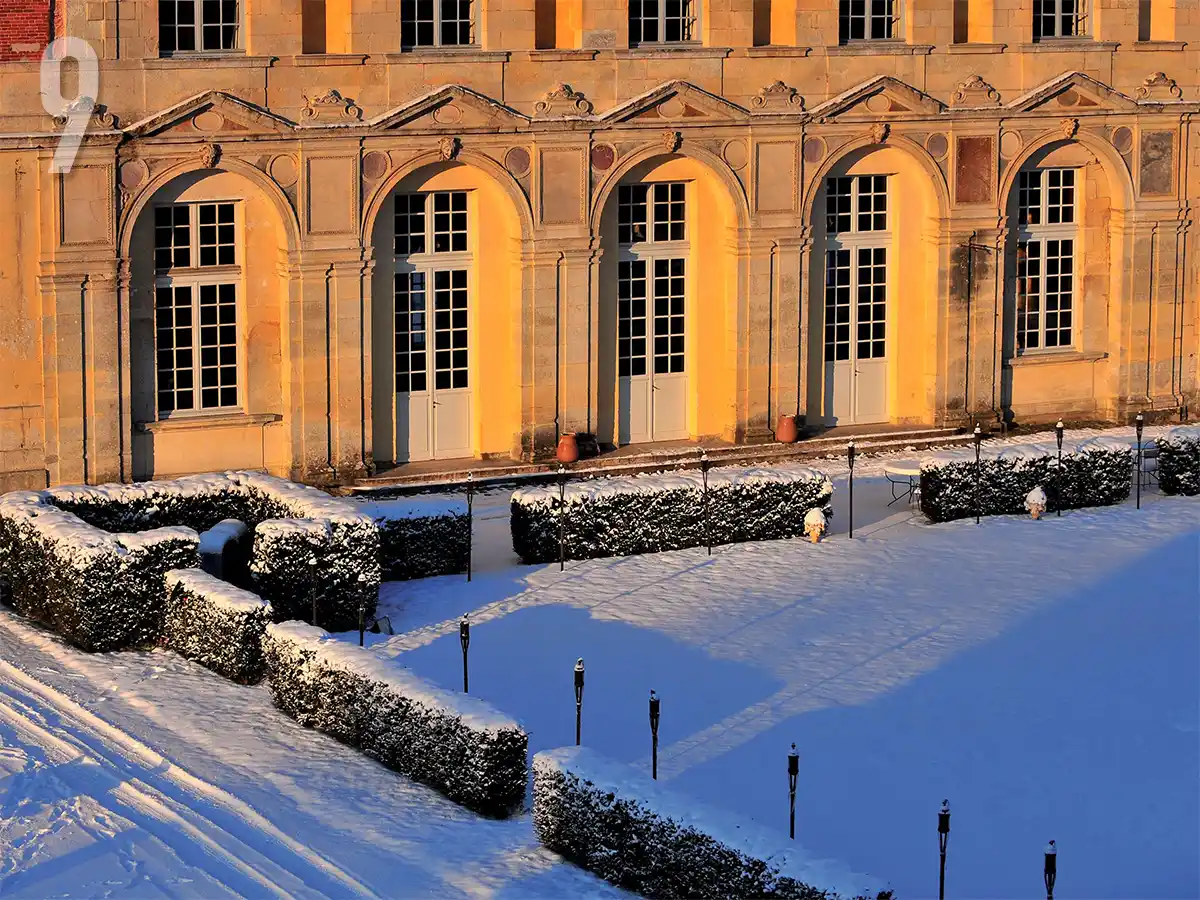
<point x="27" y="26"/>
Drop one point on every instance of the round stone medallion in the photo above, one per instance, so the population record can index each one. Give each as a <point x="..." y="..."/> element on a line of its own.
<point x="134" y="174"/>
<point x="516" y="161"/>
<point x="671" y="109"/>
<point x="937" y="145"/>
<point x="208" y="121"/>
<point x="375" y="165"/>
<point x="1010" y="144"/>
<point x="283" y="170"/>
<point x="603" y="156"/>
<point x="814" y="150"/>
<point x="736" y="155"/>
<point x="1122" y="139"/>
<point x="447" y="115"/>
<point x="879" y="103"/>
<point x="1068" y="98"/>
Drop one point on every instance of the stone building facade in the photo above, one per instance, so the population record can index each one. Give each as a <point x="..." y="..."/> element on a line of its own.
<point x="320" y="236"/>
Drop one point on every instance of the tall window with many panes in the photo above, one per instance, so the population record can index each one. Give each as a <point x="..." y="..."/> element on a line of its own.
<point x="1046" y="239"/>
<point x="191" y="26"/>
<point x="433" y="262"/>
<point x="197" y="272"/>
<point x="867" y="20"/>
<point x="651" y="278"/>
<point x="856" y="265"/>
<point x="436" y="23"/>
<point x="662" y="21"/>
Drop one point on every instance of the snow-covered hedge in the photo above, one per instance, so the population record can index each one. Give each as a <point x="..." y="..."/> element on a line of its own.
<point x="421" y="536"/>
<point x="449" y="741"/>
<point x="99" y="590"/>
<point x="1179" y="461"/>
<point x="216" y="624"/>
<point x="346" y="572"/>
<point x="626" y="828"/>
<point x="1097" y="472"/>
<point x="650" y="513"/>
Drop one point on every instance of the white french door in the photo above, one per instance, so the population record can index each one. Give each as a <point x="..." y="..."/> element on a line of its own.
<point x="651" y="341"/>
<point x="432" y="340"/>
<point x="856" y="335"/>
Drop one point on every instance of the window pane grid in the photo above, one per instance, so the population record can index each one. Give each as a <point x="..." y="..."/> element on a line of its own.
<point x="670" y="285"/>
<point x="190" y="25"/>
<point x="632" y="213"/>
<point x="172" y="237"/>
<point x="1057" y="18"/>
<point x="411" y="362"/>
<point x="837" y="305"/>
<point x="856" y="203"/>
<point x="174" y="347"/>
<point x="1045" y="284"/>
<point x="436" y="23"/>
<point x="661" y="21"/>
<point x="450" y="330"/>
<point x="218" y="346"/>
<point x="449" y="221"/>
<point x="872" y="303"/>
<point x="410" y="224"/>
<point x="217" y="240"/>
<point x="860" y="20"/>
<point x="631" y="318"/>
<point x="652" y="213"/>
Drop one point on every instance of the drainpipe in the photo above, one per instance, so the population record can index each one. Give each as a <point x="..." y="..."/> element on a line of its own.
<point x="558" y="263"/>
<point x="970" y="293"/>
<point x="997" y="324"/>
<point x="771" y="331"/>
<point x="1180" y="274"/>
<point x="329" y="373"/>
<point x="1150" y="311"/>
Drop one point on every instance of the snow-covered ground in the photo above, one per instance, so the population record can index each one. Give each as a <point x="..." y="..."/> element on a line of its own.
<point x="1043" y="676"/>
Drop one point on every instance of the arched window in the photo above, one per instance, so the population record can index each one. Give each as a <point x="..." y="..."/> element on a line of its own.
<point x="1046" y="248"/>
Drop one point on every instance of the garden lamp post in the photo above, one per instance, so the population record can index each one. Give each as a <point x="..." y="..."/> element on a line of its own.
<point x="1139" y="423"/>
<point x="1058" y="436"/>
<point x="978" y="435"/>
<point x="793" y="773"/>
<point x="1050" y="870"/>
<point x="943" y="839"/>
<point x="562" y="518"/>
<point x="464" y="638"/>
<point x="704" y="475"/>
<point x="312" y="586"/>
<point x="655" y="705"/>
<point x="578" y="699"/>
<point x="362" y="624"/>
<point x="470" y="522"/>
<point x="850" y="460"/>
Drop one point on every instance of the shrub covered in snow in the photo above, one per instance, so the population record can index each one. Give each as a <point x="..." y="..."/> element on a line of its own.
<point x="451" y="742"/>
<point x="216" y="624"/>
<point x="421" y="536"/>
<point x="100" y="591"/>
<point x="650" y="513"/>
<point x="621" y="825"/>
<point x="345" y="576"/>
<point x="225" y="551"/>
<point x="1179" y="461"/>
<point x="1097" y="472"/>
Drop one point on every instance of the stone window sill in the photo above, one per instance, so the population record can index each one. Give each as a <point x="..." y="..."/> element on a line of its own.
<point x="777" y="52"/>
<point x="879" y="48"/>
<point x="971" y="49"/>
<point x="425" y="55"/>
<point x="209" y="61"/>
<point x="567" y="54"/>
<point x="672" y="51"/>
<point x="330" y="59"/>
<point x="1069" y="45"/>
<point x="195" y="423"/>
<point x="1151" y="46"/>
<point x="1051" y="358"/>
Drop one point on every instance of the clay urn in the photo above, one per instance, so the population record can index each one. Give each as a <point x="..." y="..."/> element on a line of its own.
<point x="786" y="431"/>
<point x="568" y="449"/>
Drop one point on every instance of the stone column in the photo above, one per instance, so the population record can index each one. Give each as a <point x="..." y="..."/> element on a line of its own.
<point x="969" y="316"/>
<point x="125" y="313"/>
<point x="104" y="358"/>
<point x="538" y="347"/>
<point x="349" y="363"/>
<point x="574" y="269"/>
<point x="786" y="276"/>
<point x="308" y="367"/>
<point x="755" y="349"/>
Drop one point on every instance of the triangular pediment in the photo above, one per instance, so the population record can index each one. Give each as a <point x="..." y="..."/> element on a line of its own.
<point x="881" y="96"/>
<point x="1072" y="92"/>
<point x="453" y="108"/>
<point x="676" y="101"/>
<point x="212" y="113"/>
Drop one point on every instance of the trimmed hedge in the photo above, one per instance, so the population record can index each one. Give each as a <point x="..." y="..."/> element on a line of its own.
<point x="1179" y="461"/>
<point x="1098" y="472"/>
<point x="449" y="741"/>
<point x="216" y="624"/>
<point x="607" y="818"/>
<point x="421" y="536"/>
<point x="100" y="591"/>
<point x="652" y="513"/>
<point x="345" y="576"/>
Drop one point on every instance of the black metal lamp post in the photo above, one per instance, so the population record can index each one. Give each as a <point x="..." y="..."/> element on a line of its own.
<point x="1139" y="423"/>
<point x="978" y="435"/>
<point x="655" y="705"/>
<point x="793" y="773"/>
<point x="1050" y="870"/>
<point x="943" y="839"/>
<point x="850" y="459"/>
<point x="362" y="625"/>
<point x="464" y="638"/>
<point x="312" y="586"/>
<point x="1058" y="436"/>
<point x="470" y="521"/>
<point x="562" y="518"/>
<point x="704" y="464"/>
<point x="578" y="699"/>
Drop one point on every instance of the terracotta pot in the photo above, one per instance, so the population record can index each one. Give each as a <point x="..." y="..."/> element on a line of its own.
<point x="786" y="431"/>
<point x="568" y="449"/>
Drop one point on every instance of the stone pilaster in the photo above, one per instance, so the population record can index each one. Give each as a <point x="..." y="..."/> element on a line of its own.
<point x="575" y="271"/>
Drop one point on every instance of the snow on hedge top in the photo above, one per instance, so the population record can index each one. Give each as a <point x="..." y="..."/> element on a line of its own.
<point x="215" y="539"/>
<point x="215" y="591"/>
<point x="75" y="538"/>
<point x="426" y="506"/>
<point x="366" y="663"/>
<point x="582" y="491"/>
<point x="301" y="500"/>
<point x="1183" y="433"/>
<point x="1020" y="452"/>
<point x="745" y="837"/>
